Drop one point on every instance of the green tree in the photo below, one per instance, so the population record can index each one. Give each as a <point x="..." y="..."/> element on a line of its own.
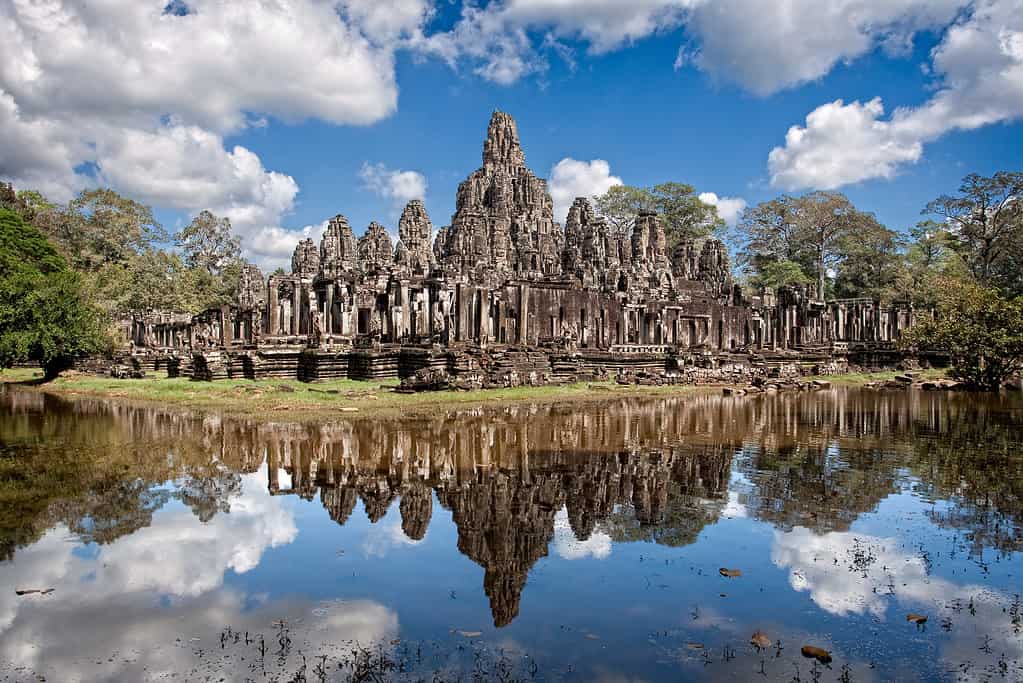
<point x="768" y="234"/>
<point x="775" y="274"/>
<point x="100" y="227"/>
<point x="214" y="253"/>
<point x="685" y="215"/>
<point x="986" y="222"/>
<point x="807" y="230"/>
<point x="980" y="328"/>
<point x="621" y="204"/>
<point x="208" y="243"/>
<point x="929" y="259"/>
<point x="44" y="314"/>
<point x="681" y="211"/>
<point x="871" y="261"/>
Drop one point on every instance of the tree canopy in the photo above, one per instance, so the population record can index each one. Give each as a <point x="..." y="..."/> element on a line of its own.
<point x="44" y="313"/>
<point x="985" y="222"/>
<point x="979" y="327"/>
<point x="684" y="215"/>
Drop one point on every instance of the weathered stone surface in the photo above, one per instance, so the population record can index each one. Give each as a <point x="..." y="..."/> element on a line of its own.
<point x="376" y="252"/>
<point x="306" y="260"/>
<point x="414" y="253"/>
<point x="338" y="250"/>
<point x="715" y="267"/>
<point x="251" y="288"/>
<point x="504" y="219"/>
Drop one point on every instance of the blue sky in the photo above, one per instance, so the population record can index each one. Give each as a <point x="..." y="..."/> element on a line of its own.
<point x="283" y="114"/>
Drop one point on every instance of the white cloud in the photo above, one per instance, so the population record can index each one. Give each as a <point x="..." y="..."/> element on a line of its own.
<point x="766" y="47"/>
<point x="147" y="97"/>
<point x="399" y="187"/>
<point x="840" y="144"/>
<point x="762" y="46"/>
<point x="499" y="39"/>
<point x="979" y="65"/>
<point x="568" y="547"/>
<point x="729" y="208"/>
<point x="571" y="178"/>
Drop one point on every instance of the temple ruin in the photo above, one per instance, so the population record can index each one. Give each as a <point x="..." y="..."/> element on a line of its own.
<point x="505" y="295"/>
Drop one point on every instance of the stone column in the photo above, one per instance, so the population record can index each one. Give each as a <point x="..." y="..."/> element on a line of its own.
<point x="406" y="309"/>
<point x="274" y="310"/>
<point x="296" y="310"/>
<point x="328" y="313"/>
<point x="523" y="312"/>
<point x="226" y="326"/>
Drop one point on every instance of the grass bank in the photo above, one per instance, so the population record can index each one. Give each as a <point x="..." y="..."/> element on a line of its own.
<point x="861" y="378"/>
<point x="335" y="397"/>
<point x="340" y="397"/>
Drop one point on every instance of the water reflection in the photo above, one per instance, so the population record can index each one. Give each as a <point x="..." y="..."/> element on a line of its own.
<point x="157" y="527"/>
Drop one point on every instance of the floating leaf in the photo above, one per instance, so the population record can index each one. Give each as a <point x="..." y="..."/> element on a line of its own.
<point x="731" y="573"/>
<point x="593" y="636"/>
<point x="471" y="634"/>
<point x="916" y="618"/>
<point x="811" y="652"/>
<point x="760" y="639"/>
<point x="694" y="646"/>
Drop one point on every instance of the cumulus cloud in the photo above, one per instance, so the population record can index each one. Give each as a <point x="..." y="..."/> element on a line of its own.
<point x="763" y="47"/>
<point x="571" y="178"/>
<point x="841" y="144"/>
<point x="729" y="208"/>
<point x="979" y="70"/>
<point x="766" y="47"/>
<point x="399" y="187"/>
<point x="147" y="96"/>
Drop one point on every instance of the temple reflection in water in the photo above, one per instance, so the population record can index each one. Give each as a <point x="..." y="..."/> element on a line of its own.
<point x="653" y="470"/>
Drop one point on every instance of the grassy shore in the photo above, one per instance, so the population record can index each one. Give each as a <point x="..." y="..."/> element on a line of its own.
<point x="340" y="397"/>
<point x="861" y="378"/>
<point x="336" y="397"/>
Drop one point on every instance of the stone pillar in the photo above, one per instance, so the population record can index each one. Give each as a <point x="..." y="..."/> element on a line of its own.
<point x="328" y="313"/>
<point x="405" y="301"/>
<point x="274" y="310"/>
<point x="483" y="316"/>
<point x="296" y="310"/>
<point x="226" y="326"/>
<point x="523" y="312"/>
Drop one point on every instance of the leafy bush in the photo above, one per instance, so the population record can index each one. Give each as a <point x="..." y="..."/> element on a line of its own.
<point x="981" y="330"/>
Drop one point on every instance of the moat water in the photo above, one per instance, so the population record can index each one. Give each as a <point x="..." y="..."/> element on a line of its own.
<point x="572" y="543"/>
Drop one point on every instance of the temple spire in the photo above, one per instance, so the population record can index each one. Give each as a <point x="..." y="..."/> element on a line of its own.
<point x="502" y="148"/>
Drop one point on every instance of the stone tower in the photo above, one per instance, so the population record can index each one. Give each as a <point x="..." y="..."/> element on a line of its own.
<point x="338" y="252"/>
<point x="503" y="225"/>
<point x="375" y="251"/>
<point x="415" y="234"/>
<point x="305" y="262"/>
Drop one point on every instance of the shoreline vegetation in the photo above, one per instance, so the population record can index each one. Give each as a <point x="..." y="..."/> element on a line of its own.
<point x="350" y="398"/>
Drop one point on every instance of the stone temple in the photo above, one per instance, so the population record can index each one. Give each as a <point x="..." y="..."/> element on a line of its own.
<point x="505" y="295"/>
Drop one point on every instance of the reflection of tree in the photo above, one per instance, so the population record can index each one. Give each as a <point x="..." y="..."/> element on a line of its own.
<point x="975" y="462"/>
<point x="206" y="496"/>
<point x="98" y="467"/>
<point x="816" y="486"/>
<point x="109" y="512"/>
